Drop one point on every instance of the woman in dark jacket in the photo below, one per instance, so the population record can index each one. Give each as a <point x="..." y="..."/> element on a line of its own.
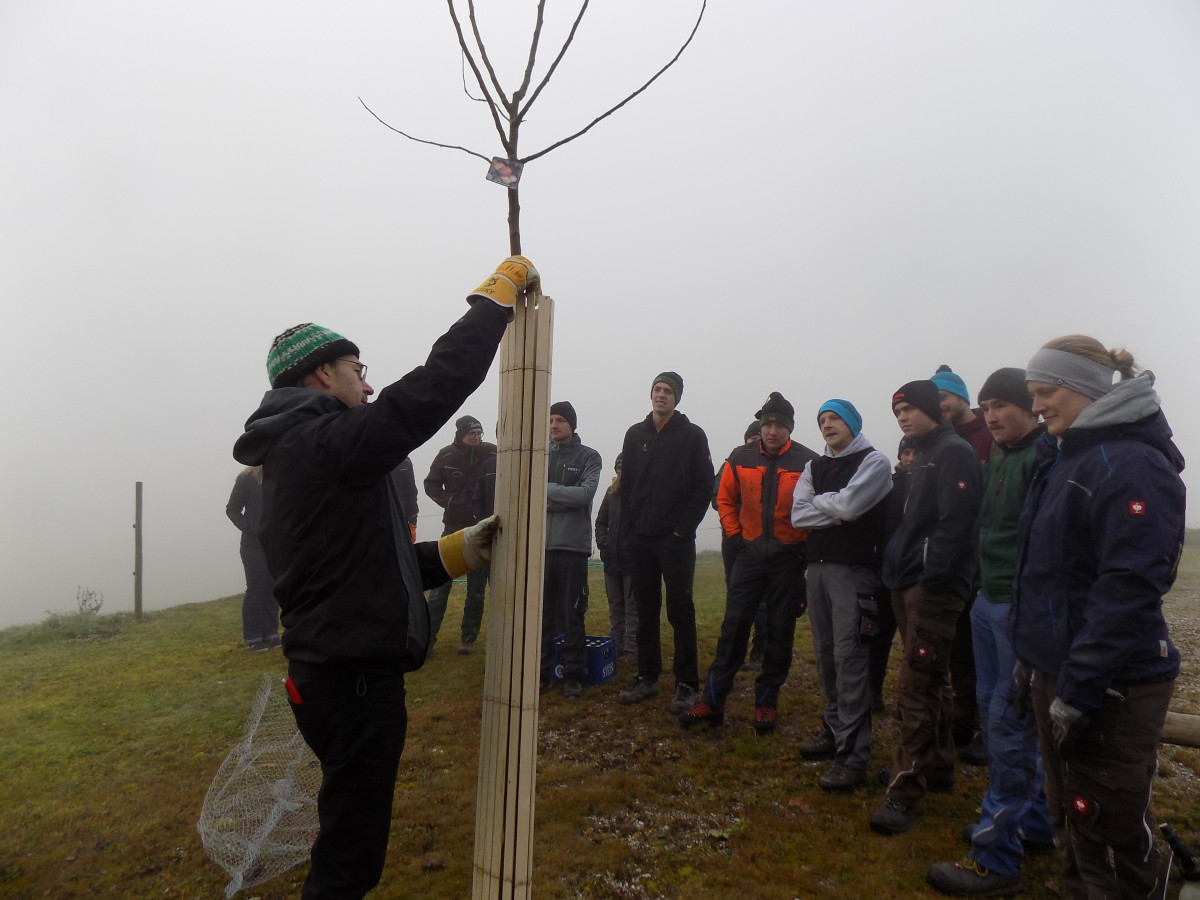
<point x="1099" y="545"/>
<point x="618" y="582"/>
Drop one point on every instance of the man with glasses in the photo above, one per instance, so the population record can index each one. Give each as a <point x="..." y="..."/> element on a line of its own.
<point x="348" y="578"/>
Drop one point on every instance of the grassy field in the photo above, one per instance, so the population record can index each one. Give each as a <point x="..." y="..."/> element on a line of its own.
<point x="112" y="730"/>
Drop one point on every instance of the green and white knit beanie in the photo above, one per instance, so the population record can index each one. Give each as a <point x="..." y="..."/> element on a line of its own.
<point x="301" y="349"/>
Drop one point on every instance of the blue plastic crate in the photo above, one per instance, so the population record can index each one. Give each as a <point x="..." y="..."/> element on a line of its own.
<point x="599" y="663"/>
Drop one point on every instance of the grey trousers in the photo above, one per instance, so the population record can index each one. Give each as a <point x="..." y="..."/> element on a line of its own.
<point x="843" y="658"/>
<point x="622" y="610"/>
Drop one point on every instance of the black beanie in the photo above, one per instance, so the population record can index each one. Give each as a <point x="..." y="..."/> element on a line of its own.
<point x="922" y="394"/>
<point x="463" y="424"/>
<point x="567" y="411"/>
<point x="1009" y="385"/>
<point x="673" y="380"/>
<point x="754" y="429"/>
<point x="777" y="409"/>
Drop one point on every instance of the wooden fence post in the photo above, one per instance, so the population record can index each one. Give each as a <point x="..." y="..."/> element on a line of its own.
<point x="508" y="740"/>
<point x="137" y="552"/>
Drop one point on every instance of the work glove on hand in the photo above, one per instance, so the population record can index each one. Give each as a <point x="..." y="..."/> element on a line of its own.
<point x="1022" y="687"/>
<point x="466" y="550"/>
<point x="514" y="276"/>
<point x="1066" y="722"/>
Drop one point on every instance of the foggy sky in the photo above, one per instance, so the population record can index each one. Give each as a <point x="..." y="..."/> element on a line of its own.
<point x="822" y="199"/>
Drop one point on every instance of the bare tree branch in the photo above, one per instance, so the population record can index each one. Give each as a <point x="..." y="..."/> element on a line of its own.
<point x="486" y="159"/>
<point x="600" y="118"/>
<point x="467" y="90"/>
<point x="462" y="43"/>
<point x="554" y="65"/>
<point x="537" y="36"/>
<point x="483" y="55"/>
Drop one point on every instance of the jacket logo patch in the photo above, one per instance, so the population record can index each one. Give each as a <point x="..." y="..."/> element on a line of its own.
<point x="1081" y="804"/>
<point x="962" y="485"/>
<point x="922" y="652"/>
<point x="1137" y="507"/>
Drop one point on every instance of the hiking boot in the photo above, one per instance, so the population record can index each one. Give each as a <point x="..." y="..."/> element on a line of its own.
<point x="572" y="690"/>
<point x="968" y="832"/>
<point x="258" y="646"/>
<point x="685" y="698"/>
<point x="975" y="753"/>
<point x="842" y="779"/>
<point x="822" y="748"/>
<point x="465" y="648"/>
<point x="765" y="719"/>
<point x="877" y="704"/>
<point x="967" y="878"/>
<point x="545" y="685"/>
<point x="893" y="817"/>
<point x="641" y="689"/>
<point x="702" y="712"/>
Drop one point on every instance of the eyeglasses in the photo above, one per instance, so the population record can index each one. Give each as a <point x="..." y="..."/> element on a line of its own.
<point x="358" y="367"/>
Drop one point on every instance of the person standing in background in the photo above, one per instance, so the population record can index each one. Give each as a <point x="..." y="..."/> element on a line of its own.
<point x="405" y="481"/>
<point x="618" y="582"/>
<point x="451" y="478"/>
<point x="573" y="474"/>
<point x="260" y="610"/>
<point x="668" y="480"/>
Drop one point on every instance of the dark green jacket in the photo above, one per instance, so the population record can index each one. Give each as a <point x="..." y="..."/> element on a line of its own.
<point x="1005" y="480"/>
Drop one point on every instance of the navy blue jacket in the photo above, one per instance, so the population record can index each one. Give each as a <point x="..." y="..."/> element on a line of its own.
<point x="1099" y="543"/>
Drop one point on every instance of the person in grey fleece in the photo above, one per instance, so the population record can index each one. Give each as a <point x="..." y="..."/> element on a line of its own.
<point x="573" y="474"/>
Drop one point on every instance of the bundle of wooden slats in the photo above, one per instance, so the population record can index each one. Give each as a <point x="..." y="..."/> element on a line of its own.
<point x="508" y="743"/>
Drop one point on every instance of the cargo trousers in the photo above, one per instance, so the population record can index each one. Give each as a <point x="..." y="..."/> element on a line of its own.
<point x="1099" y="785"/>
<point x="924" y="757"/>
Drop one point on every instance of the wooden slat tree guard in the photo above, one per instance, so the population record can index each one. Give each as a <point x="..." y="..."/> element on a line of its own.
<point x="508" y="740"/>
<point x="508" y="743"/>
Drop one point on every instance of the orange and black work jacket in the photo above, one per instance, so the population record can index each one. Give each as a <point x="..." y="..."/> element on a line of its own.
<point x="755" y="497"/>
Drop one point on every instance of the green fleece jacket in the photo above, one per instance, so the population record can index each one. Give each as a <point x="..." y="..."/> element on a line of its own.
<point x="1005" y="481"/>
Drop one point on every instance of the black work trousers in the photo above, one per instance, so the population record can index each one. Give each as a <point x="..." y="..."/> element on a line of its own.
<point x="924" y="757"/>
<point x="655" y="560"/>
<point x="779" y="582"/>
<point x="564" y="611"/>
<point x="355" y="721"/>
<point x="1100" y="785"/>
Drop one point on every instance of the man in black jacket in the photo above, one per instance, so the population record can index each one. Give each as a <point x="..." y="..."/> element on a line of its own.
<point x="666" y="483"/>
<point x="348" y="577"/>
<point x="929" y="565"/>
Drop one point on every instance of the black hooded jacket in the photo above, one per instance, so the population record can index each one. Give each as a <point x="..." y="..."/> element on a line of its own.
<point x="666" y="478"/>
<point x="934" y="545"/>
<point x="347" y="576"/>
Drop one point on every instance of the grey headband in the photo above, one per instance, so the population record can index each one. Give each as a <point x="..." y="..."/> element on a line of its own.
<point x="1075" y="372"/>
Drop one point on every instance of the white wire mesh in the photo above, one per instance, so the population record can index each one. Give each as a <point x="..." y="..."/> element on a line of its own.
<point x="260" y="813"/>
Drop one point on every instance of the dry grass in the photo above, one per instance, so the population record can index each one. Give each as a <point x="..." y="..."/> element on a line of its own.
<point x="113" y="734"/>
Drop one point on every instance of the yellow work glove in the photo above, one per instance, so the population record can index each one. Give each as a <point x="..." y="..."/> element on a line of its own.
<point x="512" y="277"/>
<point x="465" y="550"/>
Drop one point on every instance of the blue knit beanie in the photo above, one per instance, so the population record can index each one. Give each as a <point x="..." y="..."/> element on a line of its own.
<point x="947" y="381"/>
<point x="845" y="411"/>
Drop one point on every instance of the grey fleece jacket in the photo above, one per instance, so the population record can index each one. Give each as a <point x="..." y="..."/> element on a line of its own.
<point x="572" y="475"/>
